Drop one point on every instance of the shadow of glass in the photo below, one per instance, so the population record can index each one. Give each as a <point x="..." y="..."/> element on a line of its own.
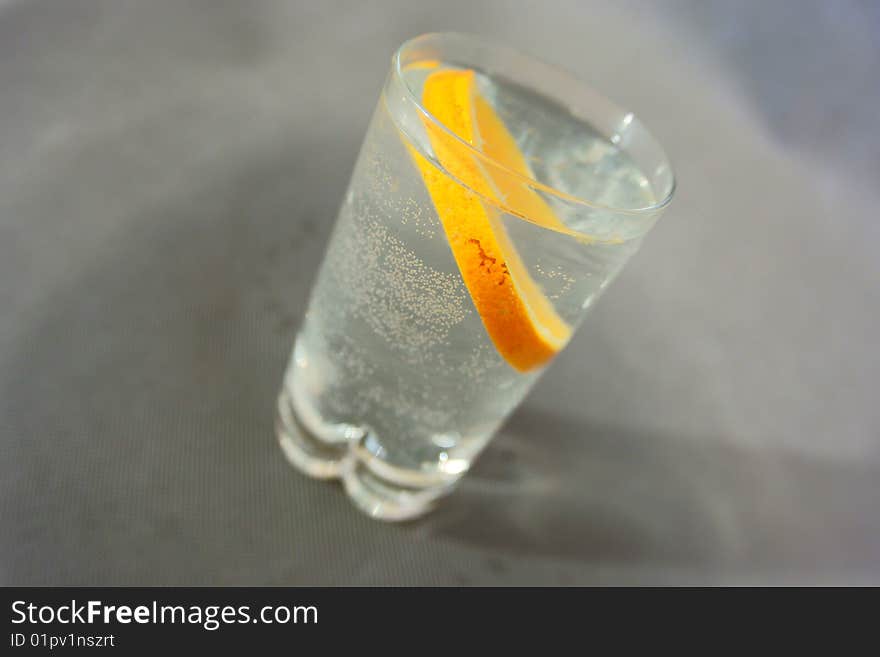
<point x="553" y="487"/>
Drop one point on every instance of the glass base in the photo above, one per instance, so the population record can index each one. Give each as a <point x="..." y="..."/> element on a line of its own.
<point x="386" y="500"/>
<point x="374" y="494"/>
<point x="317" y="458"/>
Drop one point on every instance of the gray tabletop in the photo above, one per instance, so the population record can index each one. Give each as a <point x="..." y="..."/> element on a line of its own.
<point x="170" y="172"/>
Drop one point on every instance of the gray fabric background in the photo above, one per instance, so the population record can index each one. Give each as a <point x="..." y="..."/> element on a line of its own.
<point x="169" y="174"/>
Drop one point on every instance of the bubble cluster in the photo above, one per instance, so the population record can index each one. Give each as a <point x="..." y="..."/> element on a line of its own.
<point x="389" y="287"/>
<point x="562" y="281"/>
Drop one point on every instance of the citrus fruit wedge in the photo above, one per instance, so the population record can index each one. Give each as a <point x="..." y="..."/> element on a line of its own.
<point x="520" y="320"/>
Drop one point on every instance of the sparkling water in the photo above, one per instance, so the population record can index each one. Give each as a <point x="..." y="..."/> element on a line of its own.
<point x="392" y="364"/>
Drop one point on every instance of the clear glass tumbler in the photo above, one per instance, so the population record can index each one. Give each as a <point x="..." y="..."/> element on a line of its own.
<point x="494" y="199"/>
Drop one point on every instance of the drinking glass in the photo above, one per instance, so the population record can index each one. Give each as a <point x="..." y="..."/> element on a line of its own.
<point x="459" y="265"/>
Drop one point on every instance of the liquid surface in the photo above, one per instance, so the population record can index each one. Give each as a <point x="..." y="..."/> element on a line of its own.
<point x="564" y="152"/>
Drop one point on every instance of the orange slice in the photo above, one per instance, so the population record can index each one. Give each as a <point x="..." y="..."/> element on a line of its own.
<point x="520" y="320"/>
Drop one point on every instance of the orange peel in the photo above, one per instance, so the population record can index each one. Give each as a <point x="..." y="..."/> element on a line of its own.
<point x="521" y="322"/>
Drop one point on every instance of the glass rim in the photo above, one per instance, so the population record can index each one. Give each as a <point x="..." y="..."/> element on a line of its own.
<point x="398" y="68"/>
